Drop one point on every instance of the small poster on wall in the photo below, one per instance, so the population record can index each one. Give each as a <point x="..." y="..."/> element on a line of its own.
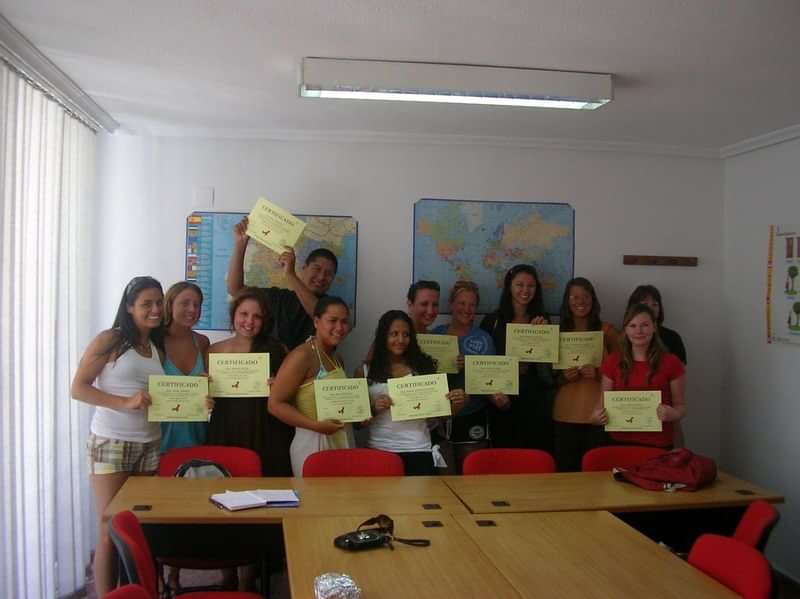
<point x="783" y="284"/>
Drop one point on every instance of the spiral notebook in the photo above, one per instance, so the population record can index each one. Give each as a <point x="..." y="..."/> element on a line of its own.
<point x="244" y="500"/>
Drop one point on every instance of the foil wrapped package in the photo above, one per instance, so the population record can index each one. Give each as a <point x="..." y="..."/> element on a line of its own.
<point x="334" y="585"/>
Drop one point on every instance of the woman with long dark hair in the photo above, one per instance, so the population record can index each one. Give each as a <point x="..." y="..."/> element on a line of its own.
<point x="526" y="421"/>
<point x="113" y="375"/>
<point x="579" y="386"/>
<point x="292" y="397"/>
<point x="246" y="422"/>
<point x="643" y="364"/>
<point x="397" y="354"/>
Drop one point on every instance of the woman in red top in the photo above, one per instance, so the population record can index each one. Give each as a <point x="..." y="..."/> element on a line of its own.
<point x="644" y="365"/>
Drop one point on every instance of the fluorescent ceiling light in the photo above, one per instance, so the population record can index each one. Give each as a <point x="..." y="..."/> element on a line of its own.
<point x="454" y="84"/>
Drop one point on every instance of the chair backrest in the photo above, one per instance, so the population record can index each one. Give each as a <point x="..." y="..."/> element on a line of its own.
<point x="739" y="567"/>
<point x="617" y="456"/>
<point x="508" y="461"/>
<point x="353" y="462"/>
<point x="756" y="524"/>
<point x="236" y="460"/>
<point x="129" y="591"/>
<point x="134" y="552"/>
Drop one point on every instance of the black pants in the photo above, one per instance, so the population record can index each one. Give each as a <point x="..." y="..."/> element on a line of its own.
<point x="417" y="463"/>
<point x="573" y="440"/>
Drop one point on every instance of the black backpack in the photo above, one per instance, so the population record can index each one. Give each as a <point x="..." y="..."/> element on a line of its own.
<point x="201" y="469"/>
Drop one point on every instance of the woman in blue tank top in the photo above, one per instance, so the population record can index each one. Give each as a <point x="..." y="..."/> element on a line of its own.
<point x="186" y="354"/>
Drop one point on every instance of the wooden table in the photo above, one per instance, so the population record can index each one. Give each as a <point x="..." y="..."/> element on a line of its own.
<point x="580" y="491"/>
<point x="453" y="565"/>
<point x="185" y="501"/>
<point x="584" y="554"/>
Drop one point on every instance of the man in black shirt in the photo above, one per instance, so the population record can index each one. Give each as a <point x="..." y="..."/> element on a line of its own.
<point x="291" y="308"/>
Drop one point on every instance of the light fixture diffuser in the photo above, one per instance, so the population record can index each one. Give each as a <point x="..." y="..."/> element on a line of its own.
<point x="454" y="84"/>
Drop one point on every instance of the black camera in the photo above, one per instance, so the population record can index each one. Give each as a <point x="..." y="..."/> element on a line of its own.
<point x="362" y="539"/>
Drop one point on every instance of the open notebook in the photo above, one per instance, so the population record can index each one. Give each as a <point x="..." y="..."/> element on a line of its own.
<point x="245" y="500"/>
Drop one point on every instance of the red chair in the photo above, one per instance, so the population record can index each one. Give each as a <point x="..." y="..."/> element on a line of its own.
<point x="129" y="591"/>
<point x="353" y="462"/>
<point x="508" y="461"/>
<point x="137" y="561"/>
<point x="756" y="524"/>
<point x="738" y="566"/>
<point x="236" y="460"/>
<point x="617" y="456"/>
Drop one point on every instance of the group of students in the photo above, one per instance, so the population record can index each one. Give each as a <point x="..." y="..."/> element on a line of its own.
<point x="301" y="328"/>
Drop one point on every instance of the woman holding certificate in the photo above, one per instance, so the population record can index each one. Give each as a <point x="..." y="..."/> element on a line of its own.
<point x="244" y="421"/>
<point x="644" y="365"/>
<point x="113" y="375"/>
<point x="293" y="398"/>
<point x="397" y="354"/>
<point x="186" y="353"/>
<point x="579" y="386"/>
<point x="526" y="421"/>
<point x="471" y="426"/>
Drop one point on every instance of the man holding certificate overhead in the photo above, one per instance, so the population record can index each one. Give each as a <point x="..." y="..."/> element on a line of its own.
<point x="642" y="365"/>
<point x="407" y="398"/>
<point x="291" y="308"/>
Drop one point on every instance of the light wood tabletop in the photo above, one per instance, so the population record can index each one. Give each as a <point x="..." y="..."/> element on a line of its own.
<point x="162" y="500"/>
<point x="574" y="491"/>
<point x="453" y="565"/>
<point x="584" y="554"/>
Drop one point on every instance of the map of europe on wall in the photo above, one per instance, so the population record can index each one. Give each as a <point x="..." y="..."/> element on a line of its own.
<point x="480" y="240"/>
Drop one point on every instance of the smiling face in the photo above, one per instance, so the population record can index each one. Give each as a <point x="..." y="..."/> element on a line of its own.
<point x="580" y="302"/>
<point x="397" y="338"/>
<point x="248" y="319"/>
<point x="523" y="289"/>
<point x="640" y="330"/>
<point x="333" y="325"/>
<point x="463" y="307"/>
<point x="147" y="309"/>
<point x="318" y="275"/>
<point x="186" y="308"/>
<point x="424" y="309"/>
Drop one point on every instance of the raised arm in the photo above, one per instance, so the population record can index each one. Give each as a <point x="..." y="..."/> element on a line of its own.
<point x="235" y="277"/>
<point x="290" y="376"/>
<point x="91" y="365"/>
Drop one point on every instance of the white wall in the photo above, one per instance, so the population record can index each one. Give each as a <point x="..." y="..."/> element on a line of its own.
<point x="761" y="412"/>
<point x="625" y="203"/>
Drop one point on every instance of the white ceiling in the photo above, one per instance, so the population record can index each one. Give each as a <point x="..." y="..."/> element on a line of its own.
<point x="688" y="73"/>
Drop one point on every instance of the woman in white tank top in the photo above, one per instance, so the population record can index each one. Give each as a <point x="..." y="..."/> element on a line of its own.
<point x="396" y="353"/>
<point x="113" y="376"/>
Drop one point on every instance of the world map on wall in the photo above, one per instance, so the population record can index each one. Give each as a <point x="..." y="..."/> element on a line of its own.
<point x="209" y="244"/>
<point x="480" y="241"/>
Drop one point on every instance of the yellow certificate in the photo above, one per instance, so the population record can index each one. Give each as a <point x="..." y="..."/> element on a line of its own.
<point x="177" y="398"/>
<point x="443" y="349"/>
<point x="632" y="411"/>
<point x="415" y="397"/>
<point x="273" y="226"/>
<point x="579" y="348"/>
<point x="239" y="375"/>
<point x="345" y="400"/>
<point x="486" y="375"/>
<point x="532" y="342"/>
